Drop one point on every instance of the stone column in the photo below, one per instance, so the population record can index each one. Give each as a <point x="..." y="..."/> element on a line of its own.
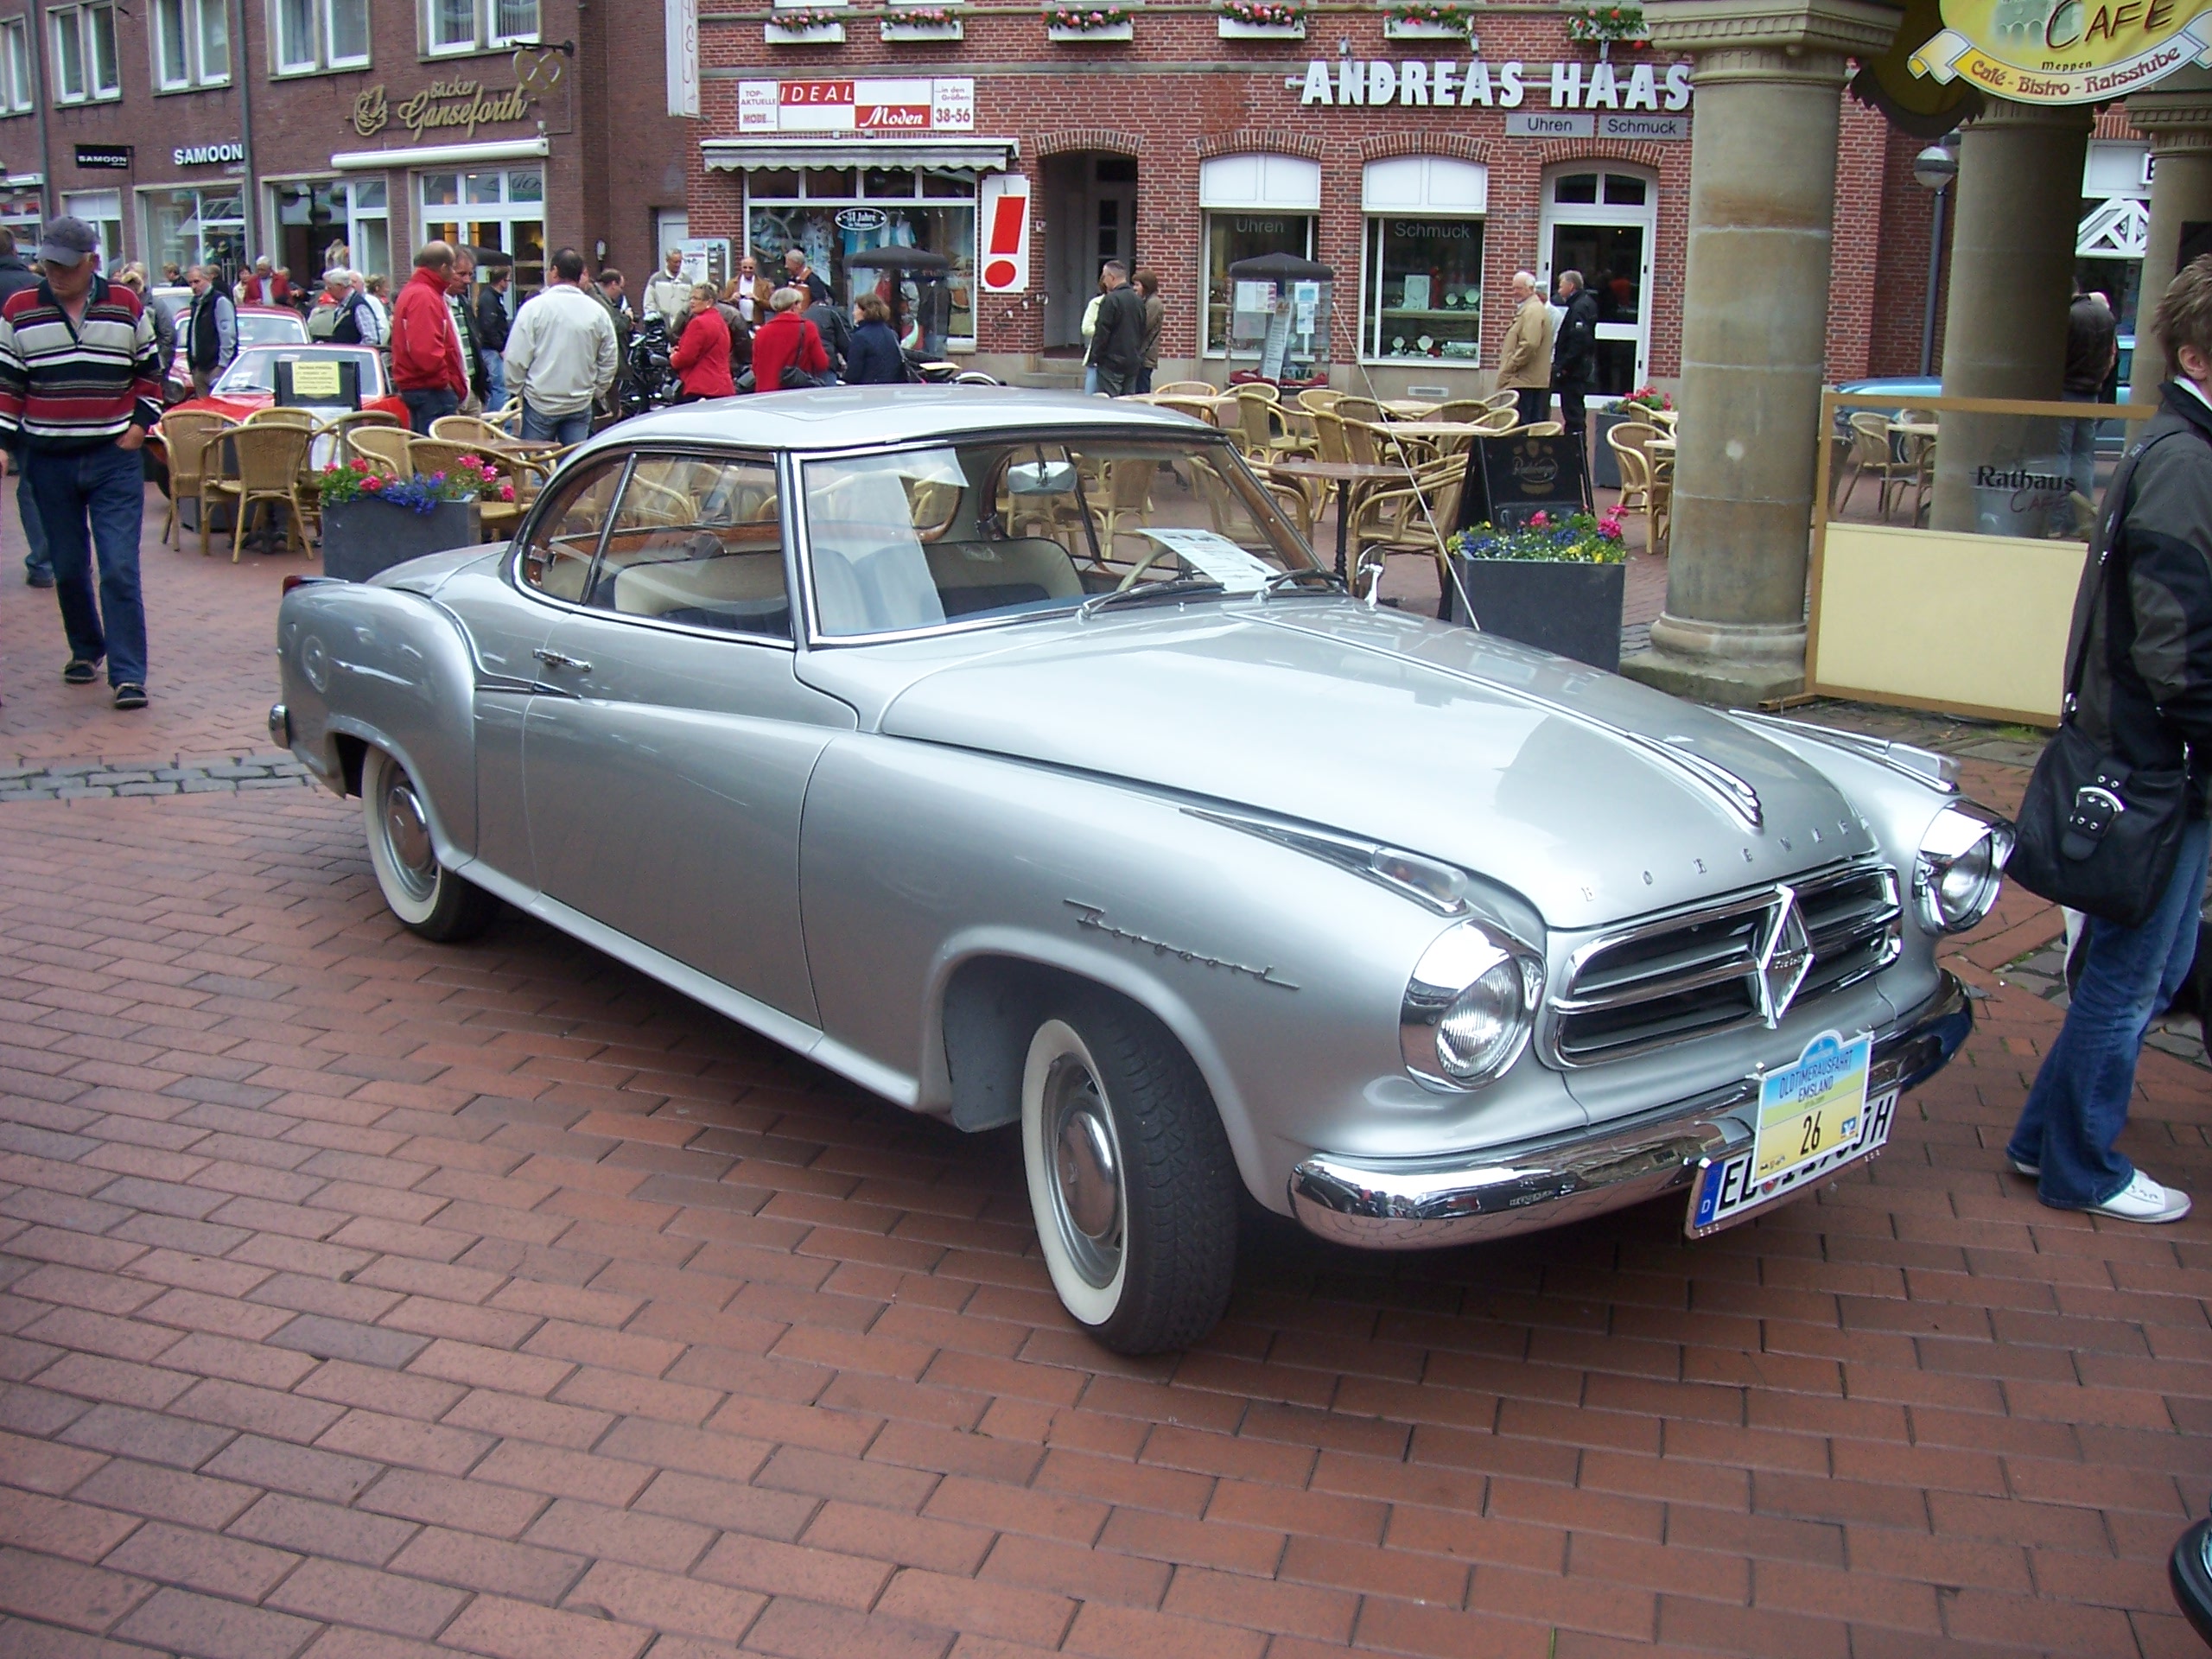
<point x="2177" y="119"/>
<point x="2012" y="278"/>
<point x="1755" y="303"/>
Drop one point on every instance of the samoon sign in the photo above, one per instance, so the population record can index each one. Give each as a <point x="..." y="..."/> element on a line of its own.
<point x="2066" y="51"/>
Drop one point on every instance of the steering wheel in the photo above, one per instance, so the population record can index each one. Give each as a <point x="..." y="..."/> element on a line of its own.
<point x="1158" y="553"/>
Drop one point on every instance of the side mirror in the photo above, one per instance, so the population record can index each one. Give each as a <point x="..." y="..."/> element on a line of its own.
<point x="2189" y="1572"/>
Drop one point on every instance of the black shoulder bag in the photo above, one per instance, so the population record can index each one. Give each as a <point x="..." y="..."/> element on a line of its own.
<point x="2095" y="834"/>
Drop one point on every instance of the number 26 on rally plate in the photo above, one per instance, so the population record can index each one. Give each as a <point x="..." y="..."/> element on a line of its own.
<point x="1814" y="1117"/>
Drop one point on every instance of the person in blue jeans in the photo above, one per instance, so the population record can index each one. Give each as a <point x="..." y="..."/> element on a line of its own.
<point x="2143" y="632"/>
<point x="38" y="564"/>
<point x="81" y="385"/>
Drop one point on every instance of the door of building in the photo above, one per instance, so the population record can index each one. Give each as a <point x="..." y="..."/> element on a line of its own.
<point x="499" y="209"/>
<point x="1091" y="216"/>
<point x="1600" y="222"/>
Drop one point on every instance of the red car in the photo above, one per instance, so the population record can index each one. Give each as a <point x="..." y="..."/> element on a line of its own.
<point x="251" y="383"/>
<point x="258" y="324"/>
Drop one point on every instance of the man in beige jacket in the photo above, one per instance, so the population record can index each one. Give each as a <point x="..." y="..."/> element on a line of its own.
<point x="1525" y="364"/>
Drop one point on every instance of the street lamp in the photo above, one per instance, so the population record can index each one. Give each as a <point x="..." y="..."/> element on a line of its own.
<point x="1934" y="168"/>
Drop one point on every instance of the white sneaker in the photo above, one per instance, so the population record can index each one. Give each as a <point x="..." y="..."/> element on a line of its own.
<point x="2144" y="1199"/>
<point x="2022" y="1166"/>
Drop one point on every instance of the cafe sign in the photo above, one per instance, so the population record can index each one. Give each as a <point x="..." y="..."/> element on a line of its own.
<point x="442" y="107"/>
<point x="2066" y="51"/>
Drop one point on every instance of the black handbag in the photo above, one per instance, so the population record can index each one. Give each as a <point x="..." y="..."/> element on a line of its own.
<point x="2095" y="834"/>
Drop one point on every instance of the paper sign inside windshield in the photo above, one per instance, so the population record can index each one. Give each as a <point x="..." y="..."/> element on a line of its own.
<point x="311" y="379"/>
<point x="1213" y="554"/>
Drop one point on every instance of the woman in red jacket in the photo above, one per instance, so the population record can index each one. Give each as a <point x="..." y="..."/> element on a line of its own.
<point x="701" y="359"/>
<point x="786" y="339"/>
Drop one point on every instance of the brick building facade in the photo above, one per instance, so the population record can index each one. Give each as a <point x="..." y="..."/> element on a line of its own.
<point x="1127" y="145"/>
<point x="198" y="131"/>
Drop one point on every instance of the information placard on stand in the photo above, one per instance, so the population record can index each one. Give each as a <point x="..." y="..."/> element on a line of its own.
<point x="1511" y="480"/>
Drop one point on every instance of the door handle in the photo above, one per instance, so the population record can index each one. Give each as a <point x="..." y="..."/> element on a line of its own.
<point x="555" y="660"/>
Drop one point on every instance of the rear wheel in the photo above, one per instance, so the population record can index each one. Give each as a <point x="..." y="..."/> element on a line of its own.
<point x="427" y="897"/>
<point x="1130" y="1177"/>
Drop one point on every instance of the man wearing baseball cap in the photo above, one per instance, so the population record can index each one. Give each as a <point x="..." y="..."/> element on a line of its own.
<point x="80" y="382"/>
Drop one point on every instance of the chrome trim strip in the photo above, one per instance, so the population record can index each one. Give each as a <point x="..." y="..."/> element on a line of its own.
<point x="1462" y="1198"/>
<point x="1938" y="772"/>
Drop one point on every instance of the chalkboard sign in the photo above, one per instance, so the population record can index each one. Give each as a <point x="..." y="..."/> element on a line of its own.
<point x="1276" y="347"/>
<point x="311" y="382"/>
<point x="1509" y="479"/>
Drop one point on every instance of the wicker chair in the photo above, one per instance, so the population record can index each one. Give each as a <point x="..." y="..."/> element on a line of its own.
<point x="1627" y="439"/>
<point x="469" y="429"/>
<point x="1411" y="519"/>
<point x="1360" y="409"/>
<point x="269" y="457"/>
<point x="186" y="434"/>
<point x="1502" y="400"/>
<point x="1261" y="425"/>
<point x="341" y="428"/>
<point x="1198" y="408"/>
<point x="495" y="519"/>
<point x="305" y="418"/>
<point x="1187" y="388"/>
<point x="384" y="448"/>
<point x="1319" y="400"/>
<point x="1871" y="452"/>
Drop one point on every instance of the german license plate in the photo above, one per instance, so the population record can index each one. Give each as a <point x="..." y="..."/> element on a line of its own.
<point x="1814" y="1118"/>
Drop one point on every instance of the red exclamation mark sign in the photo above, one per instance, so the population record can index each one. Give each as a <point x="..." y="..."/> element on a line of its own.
<point x="1002" y="248"/>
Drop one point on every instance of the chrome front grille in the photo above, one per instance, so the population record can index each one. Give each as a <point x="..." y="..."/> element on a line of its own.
<point x="1699" y="972"/>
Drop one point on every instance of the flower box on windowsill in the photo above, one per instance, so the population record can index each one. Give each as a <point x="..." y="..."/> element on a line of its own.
<point x="1408" y="28"/>
<point x="950" y="29"/>
<point x="1231" y="29"/>
<point x="810" y="33"/>
<point x="1124" y="31"/>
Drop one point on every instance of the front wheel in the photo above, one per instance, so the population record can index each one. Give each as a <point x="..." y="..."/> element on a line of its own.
<point x="1130" y="1177"/>
<point x="427" y="897"/>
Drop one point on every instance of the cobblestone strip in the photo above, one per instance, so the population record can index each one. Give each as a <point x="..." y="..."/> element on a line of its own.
<point x="67" y="780"/>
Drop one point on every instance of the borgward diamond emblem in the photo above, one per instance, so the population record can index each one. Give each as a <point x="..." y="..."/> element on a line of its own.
<point x="1785" y="957"/>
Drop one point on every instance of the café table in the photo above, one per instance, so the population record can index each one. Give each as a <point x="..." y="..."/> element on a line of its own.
<point x="1410" y="409"/>
<point x="1344" y="474"/>
<point x="1916" y="429"/>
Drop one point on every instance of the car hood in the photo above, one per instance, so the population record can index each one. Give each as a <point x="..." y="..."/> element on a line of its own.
<point x="1592" y="797"/>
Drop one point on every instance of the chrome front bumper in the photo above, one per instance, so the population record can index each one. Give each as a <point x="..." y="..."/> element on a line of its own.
<point x="1461" y="1197"/>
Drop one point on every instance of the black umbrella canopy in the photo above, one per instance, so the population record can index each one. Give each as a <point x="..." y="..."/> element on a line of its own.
<point x="489" y="257"/>
<point x="1279" y="268"/>
<point x="898" y="260"/>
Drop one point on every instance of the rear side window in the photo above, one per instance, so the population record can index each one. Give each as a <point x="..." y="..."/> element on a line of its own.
<point x="564" y="540"/>
<point x="696" y="540"/>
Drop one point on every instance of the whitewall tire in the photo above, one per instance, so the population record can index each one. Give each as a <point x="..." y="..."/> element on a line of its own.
<point x="429" y="898"/>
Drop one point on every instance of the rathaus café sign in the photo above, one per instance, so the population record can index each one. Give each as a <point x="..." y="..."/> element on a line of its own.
<point x="1417" y="82"/>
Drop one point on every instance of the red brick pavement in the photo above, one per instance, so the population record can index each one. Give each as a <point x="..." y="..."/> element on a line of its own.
<point x="368" y="1300"/>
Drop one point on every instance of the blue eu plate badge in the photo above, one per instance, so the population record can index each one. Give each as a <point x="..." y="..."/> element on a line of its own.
<point x="1814" y="1118"/>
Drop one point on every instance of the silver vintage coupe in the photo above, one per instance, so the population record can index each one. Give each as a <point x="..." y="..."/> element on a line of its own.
<point x="1012" y="755"/>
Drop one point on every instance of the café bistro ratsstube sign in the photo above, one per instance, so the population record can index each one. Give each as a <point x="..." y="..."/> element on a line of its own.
<point x="462" y="104"/>
<point x="2066" y="51"/>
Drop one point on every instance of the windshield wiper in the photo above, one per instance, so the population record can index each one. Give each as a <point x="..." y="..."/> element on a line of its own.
<point x="1330" y="581"/>
<point x="1173" y="588"/>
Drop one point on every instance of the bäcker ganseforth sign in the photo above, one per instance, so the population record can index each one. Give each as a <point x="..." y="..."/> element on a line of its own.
<point x="2066" y="51"/>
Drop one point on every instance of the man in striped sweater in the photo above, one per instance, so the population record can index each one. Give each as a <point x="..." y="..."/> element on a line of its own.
<point x="80" y="382"/>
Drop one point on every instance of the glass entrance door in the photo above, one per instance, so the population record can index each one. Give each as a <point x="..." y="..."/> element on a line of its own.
<point x="1600" y="224"/>
<point x="501" y="208"/>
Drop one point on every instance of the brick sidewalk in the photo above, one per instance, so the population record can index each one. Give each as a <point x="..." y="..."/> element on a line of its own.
<point x="370" y="1299"/>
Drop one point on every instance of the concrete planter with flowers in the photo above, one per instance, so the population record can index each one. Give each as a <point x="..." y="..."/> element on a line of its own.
<point x="371" y="523"/>
<point x="1087" y="25"/>
<point x="800" y="26"/>
<point x="922" y="23"/>
<point x="1557" y="584"/>
<point x="1259" y="19"/>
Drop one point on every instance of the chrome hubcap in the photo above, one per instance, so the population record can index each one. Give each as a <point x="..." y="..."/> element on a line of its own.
<point x="1086" y="1172"/>
<point x="407" y="834"/>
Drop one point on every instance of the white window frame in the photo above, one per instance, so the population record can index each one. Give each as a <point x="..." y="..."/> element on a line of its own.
<point x="1423" y="187"/>
<point x="1601" y="214"/>
<point x="484" y="35"/>
<point x="1258" y="182"/>
<point x="324" y="59"/>
<point x="192" y="18"/>
<point x="80" y="23"/>
<point x="16" y="94"/>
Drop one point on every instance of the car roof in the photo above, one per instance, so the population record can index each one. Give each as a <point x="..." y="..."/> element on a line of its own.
<point x="844" y="417"/>
<point x="269" y="310"/>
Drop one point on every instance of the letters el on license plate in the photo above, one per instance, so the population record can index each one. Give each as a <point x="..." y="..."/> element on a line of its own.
<point x="1814" y="1118"/>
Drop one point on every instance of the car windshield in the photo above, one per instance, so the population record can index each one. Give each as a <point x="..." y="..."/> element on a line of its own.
<point x="270" y="328"/>
<point x="257" y="370"/>
<point x="957" y="532"/>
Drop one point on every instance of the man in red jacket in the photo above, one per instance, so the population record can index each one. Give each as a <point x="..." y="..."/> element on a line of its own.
<point x="425" y="349"/>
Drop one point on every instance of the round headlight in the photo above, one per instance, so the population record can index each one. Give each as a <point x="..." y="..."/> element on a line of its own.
<point x="1956" y="877"/>
<point x="1469" y="1007"/>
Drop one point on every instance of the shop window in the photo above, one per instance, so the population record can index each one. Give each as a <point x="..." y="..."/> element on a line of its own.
<point x="1423" y="290"/>
<point x="312" y="36"/>
<point x="811" y="210"/>
<point x="195" y="227"/>
<point x="84" y="68"/>
<point x="103" y="211"/>
<point x="1625" y="190"/>
<point x="493" y="208"/>
<point x="1253" y="204"/>
<point x="316" y="216"/>
<point x="192" y="44"/>
<point x="479" y="25"/>
<point x="15" y="66"/>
